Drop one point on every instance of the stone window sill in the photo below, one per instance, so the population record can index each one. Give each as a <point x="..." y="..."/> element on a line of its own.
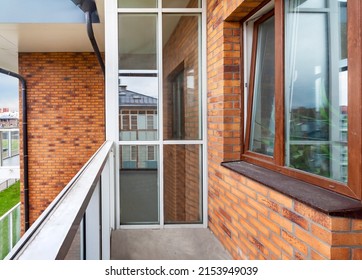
<point x="318" y="198"/>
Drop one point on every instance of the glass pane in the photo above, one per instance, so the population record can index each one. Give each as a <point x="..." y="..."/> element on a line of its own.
<point x="75" y="250"/>
<point x="16" y="225"/>
<point x="137" y="3"/>
<point x="14" y="142"/>
<point x="139" y="184"/>
<point x="182" y="184"/>
<point x="138" y="77"/>
<point x="137" y="42"/>
<point x="311" y="3"/>
<point x="181" y="3"/>
<point x="316" y="91"/>
<point x="4" y="237"/>
<point x="263" y="120"/>
<point x="181" y="77"/>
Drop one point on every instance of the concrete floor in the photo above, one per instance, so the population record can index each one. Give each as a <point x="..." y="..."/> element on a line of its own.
<point x="166" y="244"/>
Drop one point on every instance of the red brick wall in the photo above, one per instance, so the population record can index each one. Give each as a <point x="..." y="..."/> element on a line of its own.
<point x="65" y="119"/>
<point x="251" y="220"/>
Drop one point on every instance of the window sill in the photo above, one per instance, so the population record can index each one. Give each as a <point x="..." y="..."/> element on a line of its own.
<point x="318" y="198"/>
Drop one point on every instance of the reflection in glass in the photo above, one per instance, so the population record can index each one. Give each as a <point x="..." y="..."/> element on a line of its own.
<point x="137" y="41"/>
<point x="316" y="90"/>
<point x="182" y="184"/>
<point x="139" y="184"/>
<point x="310" y="3"/>
<point x="263" y="121"/>
<point x="138" y="78"/>
<point x="181" y="4"/>
<point x="137" y="3"/>
<point x="182" y="92"/>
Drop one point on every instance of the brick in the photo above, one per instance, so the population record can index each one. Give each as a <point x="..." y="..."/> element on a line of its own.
<point x="282" y="222"/>
<point x="258" y="245"/>
<point x="258" y="225"/>
<point x="268" y="203"/>
<point x="273" y="227"/>
<point x="258" y="207"/>
<point x="270" y="245"/>
<point x="340" y="253"/>
<point x="321" y="233"/>
<point x="356" y="224"/>
<point x="347" y="239"/>
<point x="317" y="256"/>
<point x="295" y="218"/>
<point x="295" y="242"/>
<point x="341" y="224"/>
<point x="299" y="256"/>
<point x="282" y="244"/>
<point x="281" y="199"/>
<point x="319" y="246"/>
<point x="257" y="187"/>
<point x="357" y="254"/>
<point x="313" y="214"/>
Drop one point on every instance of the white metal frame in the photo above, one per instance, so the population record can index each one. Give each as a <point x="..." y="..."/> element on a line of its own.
<point x="112" y="127"/>
<point x="81" y="198"/>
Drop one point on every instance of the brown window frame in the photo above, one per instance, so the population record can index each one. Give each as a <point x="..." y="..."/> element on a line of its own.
<point x="276" y="163"/>
<point x="257" y="23"/>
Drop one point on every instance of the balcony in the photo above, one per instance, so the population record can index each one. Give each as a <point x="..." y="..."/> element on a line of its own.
<point x="80" y="223"/>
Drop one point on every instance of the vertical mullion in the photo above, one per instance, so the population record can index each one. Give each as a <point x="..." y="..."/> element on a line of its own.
<point x="334" y="118"/>
<point x="111" y="90"/>
<point x="160" y="113"/>
<point x="354" y="11"/>
<point x="279" y="151"/>
<point x="203" y="115"/>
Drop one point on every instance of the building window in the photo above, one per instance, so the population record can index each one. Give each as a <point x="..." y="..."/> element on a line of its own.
<point x="134" y="122"/>
<point x="297" y="121"/>
<point x="151" y="153"/>
<point x="125" y="122"/>
<point x="262" y="86"/>
<point x="150" y="122"/>
<point x="178" y="107"/>
<point x="133" y="156"/>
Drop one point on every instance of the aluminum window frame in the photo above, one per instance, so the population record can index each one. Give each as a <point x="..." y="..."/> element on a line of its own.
<point x="112" y="121"/>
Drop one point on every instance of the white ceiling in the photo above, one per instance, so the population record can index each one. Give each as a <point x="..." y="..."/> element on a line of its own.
<point x="53" y="37"/>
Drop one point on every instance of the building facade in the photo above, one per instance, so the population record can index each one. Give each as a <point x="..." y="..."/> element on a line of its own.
<point x="241" y="116"/>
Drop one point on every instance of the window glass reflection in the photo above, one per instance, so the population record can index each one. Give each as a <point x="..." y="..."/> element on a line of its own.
<point x="182" y="184"/>
<point x="139" y="184"/>
<point x="316" y="89"/>
<point x="138" y="78"/>
<point x="137" y="3"/>
<point x="263" y="122"/>
<point x="181" y="87"/>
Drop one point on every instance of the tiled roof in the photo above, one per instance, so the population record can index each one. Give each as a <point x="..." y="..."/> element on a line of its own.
<point x="131" y="98"/>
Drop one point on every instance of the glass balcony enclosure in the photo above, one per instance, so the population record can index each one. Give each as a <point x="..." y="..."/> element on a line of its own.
<point x="160" y="123"/>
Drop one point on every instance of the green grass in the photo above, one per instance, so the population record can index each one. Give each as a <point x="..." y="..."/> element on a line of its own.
<point x="9" y="198"/>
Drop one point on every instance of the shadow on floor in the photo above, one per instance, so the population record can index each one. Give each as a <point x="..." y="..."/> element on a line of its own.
<point x="166" y="244"/>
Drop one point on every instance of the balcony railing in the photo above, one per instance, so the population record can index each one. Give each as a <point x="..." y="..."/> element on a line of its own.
<point x="77" y="224"/>
<point x="9" y="144"/>
<point x="9" y="230"/>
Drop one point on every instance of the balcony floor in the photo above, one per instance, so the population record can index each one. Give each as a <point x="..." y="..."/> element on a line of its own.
<point x="166" y="244"/>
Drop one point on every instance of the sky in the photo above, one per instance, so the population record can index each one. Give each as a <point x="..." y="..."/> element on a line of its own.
<point x="9" y="92"/>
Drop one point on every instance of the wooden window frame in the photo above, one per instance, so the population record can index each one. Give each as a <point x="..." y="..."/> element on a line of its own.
<point x="276" y="163"/>
<point x="251" y="88"/>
